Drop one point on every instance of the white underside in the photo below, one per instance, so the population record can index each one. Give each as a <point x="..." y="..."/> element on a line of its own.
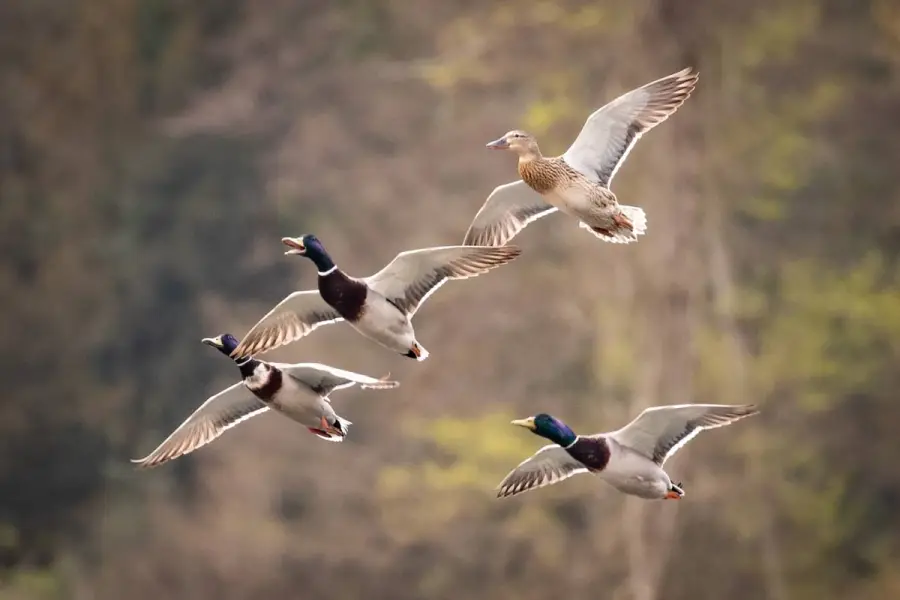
<point x="634" y="474"/>
<point x="298" y="404"/>
<point x="385" y="324"/>
<point x="577" y="201"/>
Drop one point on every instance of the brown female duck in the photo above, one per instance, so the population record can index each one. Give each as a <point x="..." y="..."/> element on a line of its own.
<point x="577" y="183"/>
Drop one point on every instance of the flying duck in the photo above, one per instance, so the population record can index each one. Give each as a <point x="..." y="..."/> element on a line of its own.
<point x="630" y="459"/>
<point x="577" y="183"/>
<point x="298" y="391"/>
<point x="379" y="307"/>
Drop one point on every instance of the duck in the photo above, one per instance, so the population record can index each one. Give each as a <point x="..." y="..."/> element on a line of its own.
<point x="379" y="307"/>
<point x="298" y="391"/>
<point x="630" y="459"/>
<point x="577" y="182"/>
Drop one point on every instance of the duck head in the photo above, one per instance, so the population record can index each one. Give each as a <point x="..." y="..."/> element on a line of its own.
<point x="310" y="247"/>
<point x="520" y="142"/>
<point x="548" y="426"/>
<point x="224" y="343"/>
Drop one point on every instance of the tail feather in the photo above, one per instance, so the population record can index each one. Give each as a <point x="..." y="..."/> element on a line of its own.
<point x="638" y="218"/>
<point x="343" y="424"/>
<point x="622" y="233"/>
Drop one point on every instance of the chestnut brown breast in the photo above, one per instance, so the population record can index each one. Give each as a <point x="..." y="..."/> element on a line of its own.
<point x="591" y="452"/>
<point x="347" y="296"/>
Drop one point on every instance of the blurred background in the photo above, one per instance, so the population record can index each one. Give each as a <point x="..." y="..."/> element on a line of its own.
<point x="153" y="152"/>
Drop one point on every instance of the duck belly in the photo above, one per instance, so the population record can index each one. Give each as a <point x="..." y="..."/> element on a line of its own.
<point x="587" y="201"/>
<point x="636" y="475"/>
<point x="384" y="323"/>
<point x="301" y="406"/>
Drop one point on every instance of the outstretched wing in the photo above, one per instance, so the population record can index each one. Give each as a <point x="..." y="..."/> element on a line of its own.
<point x="322" y="379"/>
<point x="291" y="319"/>
<point x="660" y="431"/>
<point x="506" y="212"/>
<point x="612" y="131"/>
<point x="414" y="275"/>
<point x="551" y="464"/>
<point x="215" y="416"/>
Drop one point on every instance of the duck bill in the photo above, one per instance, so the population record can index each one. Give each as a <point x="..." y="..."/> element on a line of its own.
<point x="214" y="342"/>
<point x="500" y="144"/>
<point x="295" y="244"/>
<point x="526" y="423"/>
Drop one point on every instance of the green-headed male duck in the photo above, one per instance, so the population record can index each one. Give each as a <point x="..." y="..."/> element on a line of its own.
<point x="630" y="459"/>
<point x="379" y="307"/>
<point x="577" y="183"/>
<point x="298" y="391"/>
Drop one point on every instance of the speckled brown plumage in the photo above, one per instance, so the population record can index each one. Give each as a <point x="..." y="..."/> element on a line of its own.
<point x="542" y="175"/>
<point x="577" y="183"/>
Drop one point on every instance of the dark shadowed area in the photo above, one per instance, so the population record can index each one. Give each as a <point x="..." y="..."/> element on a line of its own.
<point x="154" y="152"/>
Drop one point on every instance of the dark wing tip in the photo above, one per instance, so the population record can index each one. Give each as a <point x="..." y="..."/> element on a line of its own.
<point x="506" y="490"/>
<point x="511" y="251"/>
<point x="747" y="410"/>
<point x="144" y="463"/>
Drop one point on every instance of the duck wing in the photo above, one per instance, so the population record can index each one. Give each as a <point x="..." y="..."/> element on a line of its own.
<point x="611" y="132"/>
<point x="323" y="379"/>
<point x="291" y="319"/>
<point x="551" y="464"/>
<point x="506" y="212"/>
<point x="660" y="431"/>
<point x="416" y="274"/>
<point x="218" y="414"/>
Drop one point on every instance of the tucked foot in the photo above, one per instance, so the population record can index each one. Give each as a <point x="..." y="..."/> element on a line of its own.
<point x="332" y="429"/>
<point x="417" y="351"/>
<point x="332" y="433"/>
<point x="675" y="492"/>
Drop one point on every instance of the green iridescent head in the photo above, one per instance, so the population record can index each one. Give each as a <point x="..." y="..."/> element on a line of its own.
<point x="548" y="426"/>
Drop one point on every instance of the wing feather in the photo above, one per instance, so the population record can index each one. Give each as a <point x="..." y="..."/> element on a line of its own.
<point x="413" y="276"/>
<point x="291" y="319"/>
<point x="551" y="464"/>
<point x="505" y="213"/>
<point x="660" y="431"/>
<point x="218" y="414"/>
<point x="611" y="132"/>
<point x="323" y="379"/>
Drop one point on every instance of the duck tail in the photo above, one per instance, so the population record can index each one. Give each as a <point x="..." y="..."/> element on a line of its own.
<point x="637" y="217"/>
<point x="627" y="224"/>
<point x="343" y="423"/>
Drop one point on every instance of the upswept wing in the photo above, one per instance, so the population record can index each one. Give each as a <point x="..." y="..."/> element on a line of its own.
<point x="291" y="319"/>
<point x="611" y="132"/>
<point x="660" y="431"/>
<point x="414" y="275"/>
